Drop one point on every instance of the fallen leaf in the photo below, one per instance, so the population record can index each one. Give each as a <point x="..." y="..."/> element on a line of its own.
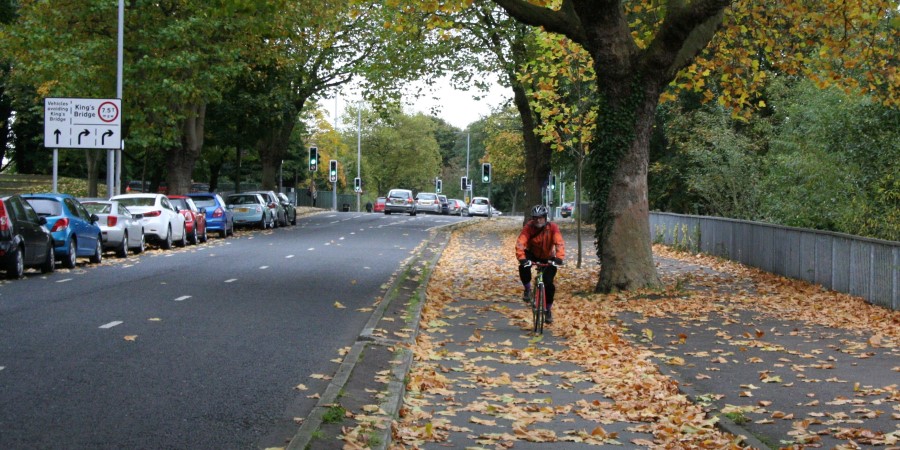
<point x="338" y="305"/>
<point x="131" y="338"/>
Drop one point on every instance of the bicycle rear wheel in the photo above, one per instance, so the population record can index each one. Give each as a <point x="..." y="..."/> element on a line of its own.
<point x="538" y="308"/>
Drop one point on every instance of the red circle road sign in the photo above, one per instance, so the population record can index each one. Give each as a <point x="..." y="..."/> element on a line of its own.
<point x="108" y="112"/>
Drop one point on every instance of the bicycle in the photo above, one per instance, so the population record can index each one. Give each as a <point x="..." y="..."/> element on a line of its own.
<point x="539" y="296"/>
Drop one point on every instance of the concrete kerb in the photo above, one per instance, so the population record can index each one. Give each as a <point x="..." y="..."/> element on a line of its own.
<point x="396" y="387"/>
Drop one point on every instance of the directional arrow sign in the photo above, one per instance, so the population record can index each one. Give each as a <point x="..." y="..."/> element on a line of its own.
<point x="82" y="123"/>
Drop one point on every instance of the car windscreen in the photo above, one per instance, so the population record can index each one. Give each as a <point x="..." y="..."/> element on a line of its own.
<point x="204" y="202"/>
<point x="96" y="208"/>
<point x="479" y="201"/>
<point x="179" y="203"/>
<point x="137" y="201"/>
<point x="45" y="206"/>
<point x="243" y="200"/>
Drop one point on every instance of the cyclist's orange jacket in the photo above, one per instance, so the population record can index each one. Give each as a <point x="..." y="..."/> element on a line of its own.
<point x="543" y="243"/>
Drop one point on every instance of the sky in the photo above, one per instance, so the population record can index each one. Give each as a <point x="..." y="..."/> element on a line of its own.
<point x="458" y="108"/>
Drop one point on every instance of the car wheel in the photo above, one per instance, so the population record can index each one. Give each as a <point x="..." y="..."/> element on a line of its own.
<point x="184" y="238"/>
<point x="412" y="213"/>
<point x="167" y="244"/>
<point x="231" y="230"/>
<point x="223" y="233"/>
<point x="16" y="268"/>
<point x="97" y="257"/>
<point x="140" y="248"/>
<point x="294" y="220"/>
<point x="193" y="239"/>
<point x="263" y="223"/>
<point x="50" y="263"/>
<point x="122" y="250"/>
<point x="71" y="258"/>
<point x="387" y="213"/>
<point x="205" y="237"/>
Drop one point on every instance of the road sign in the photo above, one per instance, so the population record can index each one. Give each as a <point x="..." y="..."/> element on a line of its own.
<point x="82" y="123"/>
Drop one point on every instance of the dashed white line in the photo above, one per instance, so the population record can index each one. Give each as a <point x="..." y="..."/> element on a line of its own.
<point x="2" y="367"/>
<point x="311" y="249"/>
<point x="182" y="298"/>
<point x="111" y="324"/>
<point x="263" y="267"/>
<point x="63" y="280"/>
<point x="288" y="256"/>
<point x="231" y="280"/>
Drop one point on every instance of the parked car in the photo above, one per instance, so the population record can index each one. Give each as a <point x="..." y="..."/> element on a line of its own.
<point x="457" y="207"/>
<point x="121" y="230"/>
<point x="275" y="205"/>
<point x="401" y="201"/>
<point x="163" y="224"/>
<point x="566" y="209"/>
<point x="445" y="204"/>
<point x="250" y="209"/>
<point x="428" y="202"/>
<point x="218" y="218"/>
<point x="290" y="211"/>
<point x="25" y="241"/>
<point x="75" y="230"/>
<point x="379" y="205"/>
<point x="194" y="218"/>
<point x="480" y="206"/>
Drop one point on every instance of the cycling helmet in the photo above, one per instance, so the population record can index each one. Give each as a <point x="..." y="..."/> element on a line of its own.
<point x="539" y="211"/>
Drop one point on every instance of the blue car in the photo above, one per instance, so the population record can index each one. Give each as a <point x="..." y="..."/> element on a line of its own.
<point x="218" y="217"/>
<point x="251" y="210"/>
<point x="75" y="230"/>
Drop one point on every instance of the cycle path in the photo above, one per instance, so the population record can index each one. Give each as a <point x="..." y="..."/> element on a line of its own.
<point x="489" y="383"/>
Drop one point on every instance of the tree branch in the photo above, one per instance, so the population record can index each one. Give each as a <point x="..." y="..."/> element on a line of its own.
<point x="683" y="34"/>
<point x="564" y="21"/>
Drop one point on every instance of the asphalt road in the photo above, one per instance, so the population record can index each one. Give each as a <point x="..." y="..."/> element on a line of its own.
<point x="202" y="347"/>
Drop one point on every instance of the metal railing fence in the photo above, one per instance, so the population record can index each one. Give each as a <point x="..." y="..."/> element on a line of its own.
<point x="863" y="267"/>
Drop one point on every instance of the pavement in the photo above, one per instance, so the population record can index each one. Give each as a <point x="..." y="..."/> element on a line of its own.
<point x="723" y="357"/>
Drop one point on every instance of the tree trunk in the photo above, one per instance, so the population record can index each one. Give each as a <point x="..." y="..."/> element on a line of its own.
<point x="180" y="163"/>
<point x="272" y="147"/>
<point x="621" y="208"/>
<point x="93" y="170"/>
<point x="537" y="155"/>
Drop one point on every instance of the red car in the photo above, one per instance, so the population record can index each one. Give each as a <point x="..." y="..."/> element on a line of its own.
<point x="379" y="205"/>
<point x="194" y="218"/>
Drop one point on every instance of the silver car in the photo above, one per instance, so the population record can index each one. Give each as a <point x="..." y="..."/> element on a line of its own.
<point x="121" y="230"/>
<point x="480" y="206"/>
<point x="458" y="207"/>
<point x="162" y="222"/>
<point x="400" y="201"/>
<point x="428" y="202"/>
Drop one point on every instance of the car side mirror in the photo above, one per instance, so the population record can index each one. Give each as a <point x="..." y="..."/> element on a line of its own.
<point x="203" y="211"/>
<point x="95" y="218"/>
<point x="42" y="220"/>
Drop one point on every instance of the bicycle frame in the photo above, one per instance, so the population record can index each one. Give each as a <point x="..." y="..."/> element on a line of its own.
<point x="539" y="298"/>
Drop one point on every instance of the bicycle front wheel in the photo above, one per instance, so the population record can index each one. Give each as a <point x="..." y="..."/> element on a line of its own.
<point x="538" y="308"/>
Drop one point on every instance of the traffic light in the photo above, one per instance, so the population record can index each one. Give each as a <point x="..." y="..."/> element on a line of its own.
<point x="464" y="184"/>
<point x="332" y="170"/>
<point x="313" y="159"/>
<point x="552" y="182"/>
<point x="357" y="184"/>
<point x="438" y="184"/>
<point x="486" y="173"/>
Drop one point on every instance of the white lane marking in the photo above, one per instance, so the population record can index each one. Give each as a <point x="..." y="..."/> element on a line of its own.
<point x="64" y="280"/>
<point x="311" y="249"/>
<point x="232" y="280"/>
<point x="341" y="238"/>
<point x="2" y="367"/>
<point x="367" y="267"/>
<point x="288" y="256"/>
<point x="111" y="324"/>
<point x="263" y="267"/>
<point x="182" y="298"/>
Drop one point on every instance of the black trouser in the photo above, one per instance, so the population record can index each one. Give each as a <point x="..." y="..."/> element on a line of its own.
<point x="549" y="274"/>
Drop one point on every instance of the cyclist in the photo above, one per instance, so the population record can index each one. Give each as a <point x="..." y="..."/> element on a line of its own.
<point x="540" y="241"/>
